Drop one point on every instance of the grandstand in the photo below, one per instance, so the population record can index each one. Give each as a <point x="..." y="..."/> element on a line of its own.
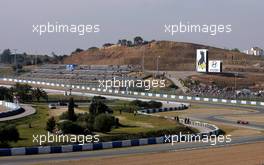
<point x="83" y="74"/>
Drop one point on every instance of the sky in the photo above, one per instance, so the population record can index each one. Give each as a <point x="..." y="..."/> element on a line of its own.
<point x="120" y="19"/>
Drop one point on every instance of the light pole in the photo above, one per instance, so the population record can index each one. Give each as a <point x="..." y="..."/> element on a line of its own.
<point x="236" y="74"/>
<point x="157" y="65"/>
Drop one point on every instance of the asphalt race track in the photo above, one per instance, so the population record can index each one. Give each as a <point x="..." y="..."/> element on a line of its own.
<point x="17" y="160"/>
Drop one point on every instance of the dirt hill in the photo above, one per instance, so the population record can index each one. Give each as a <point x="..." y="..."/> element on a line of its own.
<point x="173" y="56"/>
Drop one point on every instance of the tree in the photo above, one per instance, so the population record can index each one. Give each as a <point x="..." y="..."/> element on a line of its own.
<point x="93" y="48"/>
<point x="51" y="123"/>
<point x="39" y="93"/>
<point x="129" y="43"/>
<point x="77" y="50"/>
<point x="138" y="40"/>
<point x="98" y="107"/>
<point x="71" y="114"/>
<point x="23" y="92"/>
<point x="8" y="133"/>
<point x="104" y="122"/>
<point x="6" y="56"/>
<point x="235" y="50"/>
<point x="123" y="42"/>
<point x="6" y="94"/>
<point x="107" y="44"/>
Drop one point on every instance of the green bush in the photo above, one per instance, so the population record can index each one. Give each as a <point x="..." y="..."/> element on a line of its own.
<point x="64" y="116"/>
<point x="86" y="120"/>
<point x="152" y="133"/>
<point x="51" y="123"/>
<point x="104" y="122"/>
<point x="173" y="86"/>
<point x="144" y="104"/>
<point x="99" y="98"/>
<point x="154" y="104"/>
<point x="138" y="103"/>
<point x="8" y="133"/>
<point x="69" y="127"/>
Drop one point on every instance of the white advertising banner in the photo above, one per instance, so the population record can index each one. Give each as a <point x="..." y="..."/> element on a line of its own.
<point x="201" y="60"/>
<point x="215" y="66"/>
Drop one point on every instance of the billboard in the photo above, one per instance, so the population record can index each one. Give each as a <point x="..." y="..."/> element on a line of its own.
<point x="215" y="66"/>
<point x="201" y="60"/>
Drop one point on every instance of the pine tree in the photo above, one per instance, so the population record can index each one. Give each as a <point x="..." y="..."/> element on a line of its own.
<point x="71" y="113"/>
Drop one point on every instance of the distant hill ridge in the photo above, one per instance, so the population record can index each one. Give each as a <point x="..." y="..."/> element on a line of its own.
<point x="172" y="56"/>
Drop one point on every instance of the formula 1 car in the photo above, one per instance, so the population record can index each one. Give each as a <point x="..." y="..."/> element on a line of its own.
<point x="242" y="122"/>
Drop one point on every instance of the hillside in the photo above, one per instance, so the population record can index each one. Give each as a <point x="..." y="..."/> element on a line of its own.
<point x="173" y="56"/>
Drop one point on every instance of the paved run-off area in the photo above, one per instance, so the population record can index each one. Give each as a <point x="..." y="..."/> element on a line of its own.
<point x="245" y="154"/>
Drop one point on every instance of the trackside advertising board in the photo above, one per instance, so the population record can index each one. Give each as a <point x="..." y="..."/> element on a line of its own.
<point x="201" y="60"/>
<point x="70" y="67"/>
<point x="215" y="66"/>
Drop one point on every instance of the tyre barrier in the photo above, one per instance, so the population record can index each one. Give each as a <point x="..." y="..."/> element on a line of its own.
<point x="13" y="109"/>
<point x="76" y="147"/>
<point x="12" y="113"/>
<point x="157" y="110"/>
<point x="145" y="94"/>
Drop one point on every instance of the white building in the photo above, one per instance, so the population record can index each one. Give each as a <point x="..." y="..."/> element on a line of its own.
<point x="256" y="51"/>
